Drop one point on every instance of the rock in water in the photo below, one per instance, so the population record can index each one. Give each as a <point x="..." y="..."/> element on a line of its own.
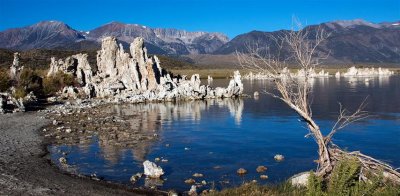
<point x="190" y="181"/>
<point x="198" y="175"/>
<point x="135" y="178"/>
<point x="279" y="157"/>
<point x="152" y="170"/>
<point x="256" y="94"/>
<point x="241" y="171"/>
<point x="193" y="191"/>
<point x="261" y="169"/>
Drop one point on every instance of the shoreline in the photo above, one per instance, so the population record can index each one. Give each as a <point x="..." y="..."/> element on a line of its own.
<point x="26" y="168"/>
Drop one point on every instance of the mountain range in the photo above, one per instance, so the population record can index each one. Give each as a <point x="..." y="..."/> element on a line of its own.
<point x="349" y="41"/>
<point x="58" y="35"/>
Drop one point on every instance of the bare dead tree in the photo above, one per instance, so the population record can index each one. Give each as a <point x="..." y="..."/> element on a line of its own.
<point x="296" y="92"/>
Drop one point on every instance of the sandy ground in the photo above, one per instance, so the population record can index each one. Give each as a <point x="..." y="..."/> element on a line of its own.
<point x="25" y="170"/>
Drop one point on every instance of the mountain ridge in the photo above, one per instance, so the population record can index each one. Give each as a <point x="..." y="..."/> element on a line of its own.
<point x="161" y="40"/>
<point x="350" y="41"/>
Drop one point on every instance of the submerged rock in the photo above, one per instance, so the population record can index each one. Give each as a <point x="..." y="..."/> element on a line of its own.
<point x="152" y="170"/>
<point x="263" y="177"/>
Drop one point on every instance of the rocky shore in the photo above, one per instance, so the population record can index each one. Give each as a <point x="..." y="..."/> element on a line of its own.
<point x="25" y="168"/>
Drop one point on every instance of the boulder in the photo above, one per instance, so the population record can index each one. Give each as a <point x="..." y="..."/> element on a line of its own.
<point x="70" y="92"/>
<point x="300" y="180"/>
<point x="152" y="170"/>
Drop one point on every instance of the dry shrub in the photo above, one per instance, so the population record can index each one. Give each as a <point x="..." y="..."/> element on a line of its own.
<point x="57" y="82"/>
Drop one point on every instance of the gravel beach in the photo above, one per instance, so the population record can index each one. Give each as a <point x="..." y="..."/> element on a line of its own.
<point x="25" y="170"/>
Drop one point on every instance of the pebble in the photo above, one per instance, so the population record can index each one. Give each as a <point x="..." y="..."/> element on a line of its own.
<point x="241" y="171"/>
<point x="62" y="160"/>
<point x="136" y="177"/>
<point x="68" y="130"/>
<point x="55" y="122"/>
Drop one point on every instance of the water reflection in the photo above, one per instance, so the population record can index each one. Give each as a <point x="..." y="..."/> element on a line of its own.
<point x="232" y="133"/>
<point x="150" y="121"/>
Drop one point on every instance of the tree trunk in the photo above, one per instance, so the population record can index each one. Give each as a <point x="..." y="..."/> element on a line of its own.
<point x="324" y="161"/>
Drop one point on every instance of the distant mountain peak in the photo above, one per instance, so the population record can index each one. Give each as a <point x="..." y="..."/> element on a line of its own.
<point x="351" y="23"/>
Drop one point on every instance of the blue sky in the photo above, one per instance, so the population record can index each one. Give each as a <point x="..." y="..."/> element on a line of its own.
<point x="230" y="17"/>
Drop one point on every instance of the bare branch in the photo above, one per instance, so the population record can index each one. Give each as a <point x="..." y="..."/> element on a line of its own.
<point x="345" y="118"/>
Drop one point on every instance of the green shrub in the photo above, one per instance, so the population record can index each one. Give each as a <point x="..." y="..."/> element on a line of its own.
<point x="344" y="177"/>
<point x="5" y="82"/>
<point x="315" y="186"/>
<point x="344" y="180"/>
<point x="57" y="82"/>
<point x="30" y="81"/>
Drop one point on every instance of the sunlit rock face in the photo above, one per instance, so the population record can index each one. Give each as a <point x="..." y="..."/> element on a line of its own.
<point x="136" y="77"/>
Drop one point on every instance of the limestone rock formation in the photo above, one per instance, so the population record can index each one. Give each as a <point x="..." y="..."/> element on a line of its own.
<point x="15" y="68"/>
<point x="83" y="71"/>
<point x="136" y="77"/>
<point x="10" y="103"/>
<point x="152" y="170"/>
<point x="367" y="72"/>
<point x="2" y="104"/>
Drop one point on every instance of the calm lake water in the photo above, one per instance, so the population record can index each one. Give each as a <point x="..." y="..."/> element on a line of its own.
<point x="217" y="137"/>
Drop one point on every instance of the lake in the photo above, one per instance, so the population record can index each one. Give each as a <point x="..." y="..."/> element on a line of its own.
<point x="217" y="137"/>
